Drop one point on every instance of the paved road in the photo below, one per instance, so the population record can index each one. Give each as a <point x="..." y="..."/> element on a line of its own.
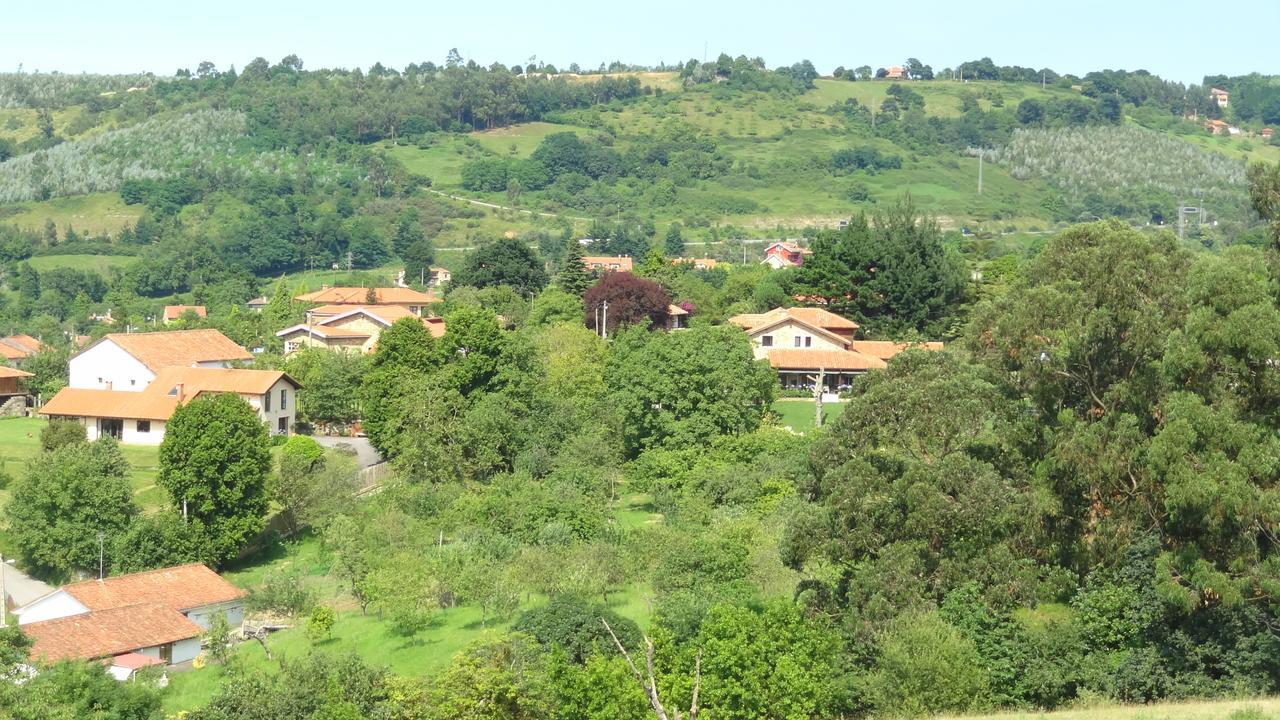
<point x="20" y="588"/>
<point x="365" y="454"/>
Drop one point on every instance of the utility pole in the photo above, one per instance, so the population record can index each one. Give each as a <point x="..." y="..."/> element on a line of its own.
<point x="100" y="556"/>
<point x="1182" y="220"/>
<point x="4" y="599"/>
<point x="605" y="326"/>
<point x="348" y="261"/>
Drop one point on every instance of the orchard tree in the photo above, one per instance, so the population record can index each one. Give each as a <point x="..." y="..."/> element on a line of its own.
<point x="632" y="301"/>
<point x="214" y="463"/>
<point x="69" y="496"/>
<point x="506" y="261"/>
<point x="405" y="351"/>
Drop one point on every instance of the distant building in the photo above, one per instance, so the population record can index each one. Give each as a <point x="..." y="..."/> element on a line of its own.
<point x="13" y="398"/>
<point x="1267" y="133"/>
<point x="606" y="263"/>
<point x="173" y="313"/>
<point x="897" y="72"/>
<point x="698" y="263"/>
<point x="18" y="347"/>
<point x="130" y="361"/>
<point x="258" y="303"/>
<point x="1217" y="127"/>
<point x="1220" y="96"/>
<point x="353" y="329"/>
<point x="785" y="254"/>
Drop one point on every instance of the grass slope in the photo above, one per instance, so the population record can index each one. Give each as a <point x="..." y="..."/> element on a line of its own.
<point x="101" y="264"/>
<point x="93" y="214"/>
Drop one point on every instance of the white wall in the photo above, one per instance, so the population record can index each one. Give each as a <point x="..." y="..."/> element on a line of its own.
<point x="186" y="650"/>
<point x="130" y="434"/>
<point x="57" y="604"/>
<point x="203" y="615"/>
<point x="784" y="335"/>
<point x="272" y="418"/>
<point x="105" y="363"/>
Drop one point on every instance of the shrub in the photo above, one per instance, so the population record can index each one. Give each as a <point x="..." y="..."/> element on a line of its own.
<point x="282" y="592"/>
<point x="926" y="667"/>
<point x="59" y="433"/>
<point x="574" y="625"/>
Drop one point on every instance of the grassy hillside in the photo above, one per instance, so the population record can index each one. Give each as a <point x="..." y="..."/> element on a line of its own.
<point x="101" y="264"/>
<point x="942" y="97"/>
<point x="93" y="214"/>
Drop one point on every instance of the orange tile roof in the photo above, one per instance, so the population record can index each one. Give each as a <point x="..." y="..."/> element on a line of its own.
<point x="435" y="325"/>
<point x="8" y="372"/>
<point x="25" y="341"/>
<point x="703" y="263"/>
<point x="83" y="402"/>
<point x="17" y="347"/>
<point x="217" y="380"/>
<point x="817" y="317"/>
<point x="173" y="312"/>
<point x="177" y="348"/>
<point x="360" y="296"/>
<point x="606" y="262"/>
<point x="676" y="310"/>
<point x="885" y="349"/>
<point x="178" y="588"/>
<point x="108" y="632"/>
<point x="388" y="314"/>
<point x="836" y="360"/>
<point x="323" y="331"/>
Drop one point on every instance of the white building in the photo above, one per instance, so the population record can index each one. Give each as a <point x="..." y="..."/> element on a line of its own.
<point x="139" y="418"/>
<point x="158" y="615"/>
<point x="130" y="361"/>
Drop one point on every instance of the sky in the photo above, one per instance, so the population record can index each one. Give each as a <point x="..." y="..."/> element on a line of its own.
<point x="1176" y="39"/>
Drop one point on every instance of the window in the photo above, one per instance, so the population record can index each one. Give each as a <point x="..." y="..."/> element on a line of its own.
<point x="266" y="402"/>
<point x="99" y="381"/>
<point x="132" y="381"/>
<point x="766" y="341"/>
<point x="282" y="426"/>
<point x="798" y="340"/>
<point x="144" y="426"/>
<point x="284" y="399"/>
<point x="166" y="653"/>
<point x="292" y="346"/>
<point x="808" y="341"/>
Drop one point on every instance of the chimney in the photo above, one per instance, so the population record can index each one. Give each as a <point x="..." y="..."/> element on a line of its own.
<point x="181" y="390"/>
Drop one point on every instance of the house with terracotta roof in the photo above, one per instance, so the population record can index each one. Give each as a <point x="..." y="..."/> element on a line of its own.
<point x="1220" y="96"/>
<point x="158" y="615"/>
<point x="130" y="361"/>
<point x="173" y="313"/>
<point x="897" y="72"/>
<point x="139" y="418"/>
<point x="350" y="328"/>
<point x="408" y="298"/>
<point x="785" y="254"/>
<point x="18" y="347"/>
<point x="800" y="343"/>
<point x="607" y="263"/>
<point x="1267" y="133"/>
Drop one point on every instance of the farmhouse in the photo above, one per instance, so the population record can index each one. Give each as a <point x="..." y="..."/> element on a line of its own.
<point x="1217" y="127"/>
<point x="801" y="343"/>
<point x="897" y="72"/>
<point x="139" y="418"/>
<point x="353" y="329"/>
<point x="174" y="313"/>
<point x="408" y="298"/>
<point x="606" y="263"/>
<point x="785" y="254"/>
<point x="130" y="361"/>
<point x="1220" y="96"/>
<point x="133" y="621"/>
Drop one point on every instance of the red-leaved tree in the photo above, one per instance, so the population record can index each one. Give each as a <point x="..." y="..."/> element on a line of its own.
<point x="632" y="301"/>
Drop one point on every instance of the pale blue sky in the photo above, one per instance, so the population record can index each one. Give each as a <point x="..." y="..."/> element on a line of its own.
<point x="1178" y="39"/>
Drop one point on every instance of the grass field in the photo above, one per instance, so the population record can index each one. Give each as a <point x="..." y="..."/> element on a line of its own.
<point x="101" y="264"/>
<point x="524" y="138"/>
<point x="92" y="214"/>
<point x="941" y="97"/>
<point x="798" y="414"/>
<point x="1247" y="709"/>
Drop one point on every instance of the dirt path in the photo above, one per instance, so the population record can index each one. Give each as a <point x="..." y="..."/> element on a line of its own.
<point x="496" y="206"/>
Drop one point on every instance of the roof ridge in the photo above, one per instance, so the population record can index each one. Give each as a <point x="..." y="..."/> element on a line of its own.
<point x="136" y="574"/>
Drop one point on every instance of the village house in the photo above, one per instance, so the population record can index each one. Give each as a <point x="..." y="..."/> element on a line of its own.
<point x="130" y="361"/>
<point x="698" y="263"/>
<point x="258" y="303"/>
<point x="408" y="298"/>
<point x="13" y="397"/>
<point x="1218" y="127"/>
<point x="897" y="72"/>
<point x="174" y="313"/>
<point x="785" y="254"/>
<point x="18" y="347"/>
<point x="139" y="418"/>
<point x="606" y="263"/>
<point x="801" y="343"/>
<point x="1220" y="96"/>
<point x="1267" y="133"/>
<point x="131" y="621"/>
<point x="677" y="318"/>
<point x="353" y="329"/>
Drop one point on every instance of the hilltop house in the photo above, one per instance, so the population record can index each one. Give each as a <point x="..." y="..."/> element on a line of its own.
<point x="605" y="263"/>
<point x="344" y="327"/>
<point x="173" y="313"/>
<point x="131" y="621"/>
<point x="897" y="72"/>
<point x="1218" y="127"/>
<point x="408" y="298"/>
<point x="802" y="342"/>
<point x="1220" y="96"/>
<point x="431" y="277"/>
<point x="129" y="361"/>
<point x="785" y="254"/>
<point x="139" y="418"/>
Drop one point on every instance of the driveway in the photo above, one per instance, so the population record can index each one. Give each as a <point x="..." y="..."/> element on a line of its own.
<point x="365" y="454"/>
<point x="20" y="588"/>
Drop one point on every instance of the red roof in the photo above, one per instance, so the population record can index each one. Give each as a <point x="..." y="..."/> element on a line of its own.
<point x="885" y="349"/>
<point x="179" y="588"/>
<point x="173" y="312"/>
<point x="176" y="348"/>
<point x="135" y="661"/>
<point x="835" y="360"/>
<point x="8" y="372"/>
<point x="360" y="296"/>
<point x="104" y="633"/>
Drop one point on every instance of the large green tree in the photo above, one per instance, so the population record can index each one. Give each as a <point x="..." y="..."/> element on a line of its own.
<point x="405" y="351"/>
<point x="214" y="464"/>
<point x="506" y="261"/>
<point x="68" y="497"/>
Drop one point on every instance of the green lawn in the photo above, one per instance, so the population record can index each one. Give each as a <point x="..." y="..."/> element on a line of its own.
<point x="524" y="137"/>
<point x="100" y="264"/>
<point x="798" y="414"/>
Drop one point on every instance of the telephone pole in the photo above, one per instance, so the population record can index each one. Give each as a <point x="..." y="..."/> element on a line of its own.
<point x="4" y="601"/>
<point x="981" y="152"/>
